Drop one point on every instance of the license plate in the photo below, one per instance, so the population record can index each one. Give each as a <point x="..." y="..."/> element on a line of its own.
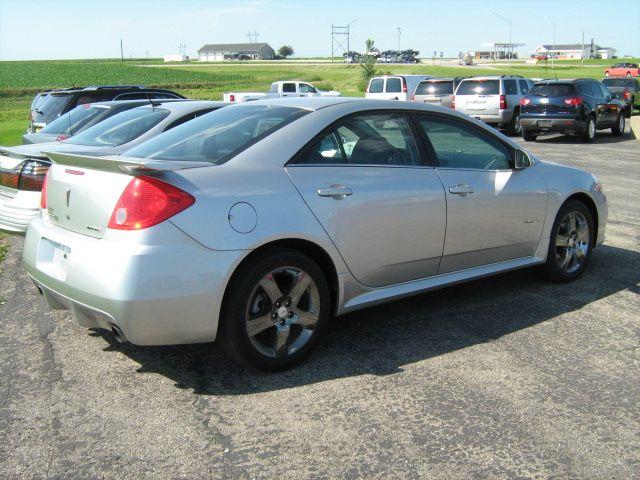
<point x="53" y="258"/>
<point x="545" y="123"/>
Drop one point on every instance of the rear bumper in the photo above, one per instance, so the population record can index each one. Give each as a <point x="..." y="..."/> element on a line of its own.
<point x="17" y="212"/>
<point x="572" y="125"/>
<point x="501" y="118"/>
<point x="154" y="294"/>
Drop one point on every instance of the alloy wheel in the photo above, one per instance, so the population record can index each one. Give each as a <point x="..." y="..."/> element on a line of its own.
<point x="572" y="242"/>
<point x="282" y="312"/>
<point x="592" y="128"/>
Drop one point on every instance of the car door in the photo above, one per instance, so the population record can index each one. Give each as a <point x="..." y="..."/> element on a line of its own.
<point x="494" y="212"/>
<point x="610" y="108"/>
<point x="289" y="89"/>
<point x="384" y="209"/>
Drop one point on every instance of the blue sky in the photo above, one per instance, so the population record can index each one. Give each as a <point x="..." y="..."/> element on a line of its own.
<point x="54" y="29"/>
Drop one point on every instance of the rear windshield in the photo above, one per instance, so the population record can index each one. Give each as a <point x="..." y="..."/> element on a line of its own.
<point x="619" y="82"/>
<point x="478" y="87"/>
<point x="121" y="128"/>
<point x="54" y="104"/>
<point x="219" y="135"/>
<point x="74" y="121"/>
<point x="394" y="85"/>
<point x="38" y="100"/>
<point x="435" y="88"/>
<point x="552" y="90"/>
<point x="376" y="86"/>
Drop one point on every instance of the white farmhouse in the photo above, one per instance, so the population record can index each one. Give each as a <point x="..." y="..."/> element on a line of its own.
<point x="575" y="51"/>
<point x="235" y="51"/>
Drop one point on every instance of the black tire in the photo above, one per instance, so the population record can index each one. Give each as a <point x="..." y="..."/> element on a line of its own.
<point x="233" y="336"/>
<point x="515" y="128"/>
<point x="529" y="136"/>
<point x="588" y="135"/>
<point x="618" y="130"/>
<point x="552" y="269"/>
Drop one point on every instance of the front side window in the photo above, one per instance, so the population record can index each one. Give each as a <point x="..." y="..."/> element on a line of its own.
<point x="394" y="85"/>
<point x="121" y="128"/>
<point x="306" y="88"/>
<point x="364" y="139"/>
<point x="218" y="136"/>
<point x="458" y="145"/>
<point x="376" y="85"/>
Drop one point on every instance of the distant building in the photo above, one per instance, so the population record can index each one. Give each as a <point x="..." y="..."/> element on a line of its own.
<point x="575" y="51"/>
<point x="176" y="58"/>
<point x="236" y="51"/>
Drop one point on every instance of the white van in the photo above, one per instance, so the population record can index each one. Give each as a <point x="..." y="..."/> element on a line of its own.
<point x="394" y="87"/>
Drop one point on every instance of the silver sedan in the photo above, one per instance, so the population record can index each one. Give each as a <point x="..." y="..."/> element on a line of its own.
<point x="255" y="223"/>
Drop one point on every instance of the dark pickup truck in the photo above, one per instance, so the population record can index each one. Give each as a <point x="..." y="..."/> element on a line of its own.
<point x="625" y="89"/>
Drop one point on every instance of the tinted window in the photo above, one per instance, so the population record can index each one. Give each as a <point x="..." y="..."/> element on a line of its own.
<point x="289" y="87"/>
<point x="376" y="85"/>
<point x="54" y="104"/>
<point x="552" y="90"/>
<point x="510" y="87"/>
<point x="461" y="146"/>
<point x="435" y="88"/>
<point x="524" y="86"/>
<point x="394" y="85"/>
<point x="365" y="139"/>
<point x="72" y="122"/>
<point x="187" y="117"/>
<point x="478" y="87"/>
<point x="219" y="135"/>
<point x="604" y="92"/>
<point x="619" y="82"/>
<point x="121" y="128"/>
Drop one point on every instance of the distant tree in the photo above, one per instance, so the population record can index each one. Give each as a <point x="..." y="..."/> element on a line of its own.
<point x="367" y="69"/>
<point x="369" y="45"/>
<point x="285" y="51"/>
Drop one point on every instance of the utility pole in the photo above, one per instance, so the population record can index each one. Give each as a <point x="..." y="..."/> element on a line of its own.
<point x="339" y="40"/>
<point x="121" y="52"/>
<point x="582" y="53"/>
<point x="399" y="35"/>
<point x="253" y="36"/>
<point x="554" y="44"/>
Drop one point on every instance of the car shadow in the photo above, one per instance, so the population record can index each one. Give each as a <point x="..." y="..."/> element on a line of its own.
<point x="602" y="137"/>
<point x="383" y="339"/>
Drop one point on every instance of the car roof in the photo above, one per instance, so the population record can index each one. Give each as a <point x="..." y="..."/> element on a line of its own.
<point x="182" y="106"/>
<point x="493" y="77"/>
<point x="105" y="88"/>
<point x="308" y="103"/>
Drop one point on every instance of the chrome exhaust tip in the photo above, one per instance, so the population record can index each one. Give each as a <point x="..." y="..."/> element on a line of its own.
<point x="118" y="334"/>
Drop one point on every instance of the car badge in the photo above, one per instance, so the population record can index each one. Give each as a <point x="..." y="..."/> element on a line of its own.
<point x="68" y="196"/>
<point x="544" y="100"/>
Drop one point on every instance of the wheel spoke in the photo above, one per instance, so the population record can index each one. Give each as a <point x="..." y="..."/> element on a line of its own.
<point x="564" y="263"/>
<point x="571" y="218"/>
<point x="271" y="288"/>
<point x="562" y="240"/>
<point x="305" y="319"/>
<point x="583" y="232"/>
<point x="300" y="286"/>
<point x="259" y="324"/>
<point x="280" y="343"/>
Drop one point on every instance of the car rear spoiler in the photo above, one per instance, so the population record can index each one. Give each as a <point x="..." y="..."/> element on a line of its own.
<point x="122" y="164"/>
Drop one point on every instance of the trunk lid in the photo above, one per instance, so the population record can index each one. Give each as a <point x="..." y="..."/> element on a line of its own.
<point x="550" y="99"/>
<point x="478" y="96"/>
<point x="82" y="191"/>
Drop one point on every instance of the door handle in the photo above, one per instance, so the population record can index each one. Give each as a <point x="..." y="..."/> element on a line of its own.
<point x="461" y="190"/>
<point x="338" y="192"/>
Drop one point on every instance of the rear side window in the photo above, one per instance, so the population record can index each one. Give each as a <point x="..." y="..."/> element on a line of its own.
<point x="552" y="90"/>
<point x="376" y="85"/>
<point x="478" y="87"/>
<point x="218" y="136"/>
<point x="458" y="145"/>
<point x="289" y="87"/>
<point x="364" y="139"/>
<point x="394" y="85"/>
<point x="510" y="87"/>
<point x="435" y="88"/>
<point x="524" y="86"/>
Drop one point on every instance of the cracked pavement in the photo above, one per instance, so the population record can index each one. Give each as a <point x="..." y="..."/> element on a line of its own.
<point x="504" y="377"/>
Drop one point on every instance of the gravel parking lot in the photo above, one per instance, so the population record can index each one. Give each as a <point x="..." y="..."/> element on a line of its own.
<point x="506" y="377"/>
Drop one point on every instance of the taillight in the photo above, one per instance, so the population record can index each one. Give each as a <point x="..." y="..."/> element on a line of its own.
<point x="9" y="178"/>
<point x="627" y="95"/>
<point x="43" y="195"/>
<point x="32" y="175"/>
<point x="232" y="98"/>
<point x="524" y="101"/>
<point x="404" y="85"/>
<point x="573" y="101"/>
<point x="503" y="102"/>
<point x="146" y="202"/>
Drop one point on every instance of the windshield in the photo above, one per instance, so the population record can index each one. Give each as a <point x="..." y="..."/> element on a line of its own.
<point x="72" y="122"/>
<point x="619" y="82"/>
<point x="121" y="128"/>
<point x="219" y="135"/>
<point x="435" y="88"/>
<point x="552" y="90"/>
<point x="478" y="87"/>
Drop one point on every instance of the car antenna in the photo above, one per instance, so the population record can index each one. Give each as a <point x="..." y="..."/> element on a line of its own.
<point x="151" y="101"/>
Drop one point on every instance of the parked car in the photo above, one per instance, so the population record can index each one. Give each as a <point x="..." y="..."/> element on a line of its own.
<point x="437" y="91"/>
<point x="493" y="99"/>
<point x="625" y="89"/>
<point x="58" y="102"/>
<point x="623" y="70"/>
<point x="286" y="88"/>
<point x="573" y="107"/>
<point x="254" y="224"/>
<point x="23" y="168"/>
<point x="79" y="119"/>
<point x="394" y="87"/>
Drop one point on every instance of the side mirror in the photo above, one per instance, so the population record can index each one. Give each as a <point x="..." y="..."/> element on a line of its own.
<point x="521" y="160"/>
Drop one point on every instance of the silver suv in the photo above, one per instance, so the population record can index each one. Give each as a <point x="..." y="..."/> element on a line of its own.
<point x="493" y="99"/>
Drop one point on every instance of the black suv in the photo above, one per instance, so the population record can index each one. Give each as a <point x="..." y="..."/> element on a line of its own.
<point x="573" y="107"/>
<point x="49" y="105"/>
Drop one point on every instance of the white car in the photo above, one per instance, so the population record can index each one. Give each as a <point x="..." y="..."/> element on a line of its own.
<point x="394" y="87"/>
<point x="281" y="89"/>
